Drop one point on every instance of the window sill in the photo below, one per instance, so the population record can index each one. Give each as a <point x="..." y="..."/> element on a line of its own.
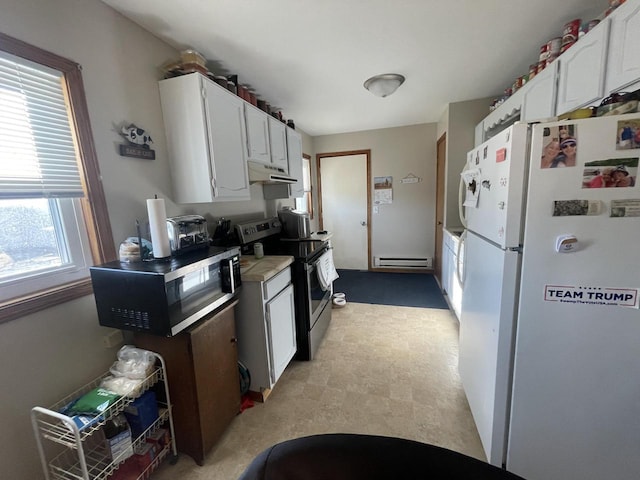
<point x="19" y="307"/>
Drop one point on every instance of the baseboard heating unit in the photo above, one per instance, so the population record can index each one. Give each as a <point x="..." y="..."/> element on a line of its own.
<point x="403" y="262"/>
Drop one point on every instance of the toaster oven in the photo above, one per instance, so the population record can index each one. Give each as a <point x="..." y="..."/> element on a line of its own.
<point x="187" y="233"/>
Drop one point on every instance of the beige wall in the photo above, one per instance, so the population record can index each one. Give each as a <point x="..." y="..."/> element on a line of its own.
<point x="406" y="227"/>
<point x="45" y="356"/>
<point x="458" y="121"/>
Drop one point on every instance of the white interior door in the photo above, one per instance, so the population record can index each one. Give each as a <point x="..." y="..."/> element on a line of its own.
<point x="344" y="209"/>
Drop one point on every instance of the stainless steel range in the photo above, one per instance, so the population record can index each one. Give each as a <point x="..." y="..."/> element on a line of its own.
<point x="312" y="302"/>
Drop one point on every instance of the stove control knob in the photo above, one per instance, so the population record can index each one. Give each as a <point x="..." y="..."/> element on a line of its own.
<point x="275" y="224"/>
<point x="247" y="231"/>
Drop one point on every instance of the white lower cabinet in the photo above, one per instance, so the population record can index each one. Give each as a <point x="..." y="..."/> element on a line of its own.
<point x="450" y="275"/>
<point x="206" y="140"/>
<point x="266" y="330"/>
<point x="280" y="332"/>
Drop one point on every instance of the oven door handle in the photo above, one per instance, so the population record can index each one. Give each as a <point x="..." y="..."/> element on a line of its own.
<point x="309" y="266"/>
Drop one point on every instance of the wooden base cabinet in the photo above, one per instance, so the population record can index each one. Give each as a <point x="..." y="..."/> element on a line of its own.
<point x="202" y="368"/>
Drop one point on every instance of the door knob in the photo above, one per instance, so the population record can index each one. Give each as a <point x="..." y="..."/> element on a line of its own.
<point x="364" y="224"/>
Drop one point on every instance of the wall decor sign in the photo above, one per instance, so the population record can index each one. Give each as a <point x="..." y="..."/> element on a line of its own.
<point x="383" y="190"/>
<point x="138" y="143"/>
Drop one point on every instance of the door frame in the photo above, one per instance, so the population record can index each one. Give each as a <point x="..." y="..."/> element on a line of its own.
<point x="367" y="154"/>
<point x="441" y="160"/>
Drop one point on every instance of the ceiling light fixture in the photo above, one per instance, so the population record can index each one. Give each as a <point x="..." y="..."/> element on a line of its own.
<point x="384" y="85"/>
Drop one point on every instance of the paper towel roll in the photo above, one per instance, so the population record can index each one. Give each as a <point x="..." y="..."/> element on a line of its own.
<point x="158" y="227"/>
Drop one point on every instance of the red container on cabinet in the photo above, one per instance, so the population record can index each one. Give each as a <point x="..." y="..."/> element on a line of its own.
<point x="570" y="33"/>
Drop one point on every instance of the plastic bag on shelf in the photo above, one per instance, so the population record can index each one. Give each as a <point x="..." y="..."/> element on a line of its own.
<point x="82" y="421"/>
<point x="124" y="386"/>
<point x="133" y="363"/>
<point x="93" y="402"/>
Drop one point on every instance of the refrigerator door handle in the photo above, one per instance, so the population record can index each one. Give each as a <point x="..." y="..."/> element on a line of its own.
<point x="460" y="274"/>
<point x="462" y="188"/>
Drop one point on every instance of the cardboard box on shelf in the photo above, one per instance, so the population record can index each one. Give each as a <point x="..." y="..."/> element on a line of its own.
<point x="142" y="412"/>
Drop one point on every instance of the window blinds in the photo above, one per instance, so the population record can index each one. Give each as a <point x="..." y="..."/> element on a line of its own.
<point x="37" y="150"/>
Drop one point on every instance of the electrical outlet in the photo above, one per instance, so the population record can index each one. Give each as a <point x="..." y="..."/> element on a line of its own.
<point x="113" y="339"/>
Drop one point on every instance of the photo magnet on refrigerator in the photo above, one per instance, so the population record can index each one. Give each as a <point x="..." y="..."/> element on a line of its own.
<point x="568" y="208"/>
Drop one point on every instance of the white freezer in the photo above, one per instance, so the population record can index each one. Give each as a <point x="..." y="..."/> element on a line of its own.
<point x="501" y="163"/>
<point x="486" y="338"/>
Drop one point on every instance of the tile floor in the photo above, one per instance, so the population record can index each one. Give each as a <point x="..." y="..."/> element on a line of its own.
<point x="383" y="370"/>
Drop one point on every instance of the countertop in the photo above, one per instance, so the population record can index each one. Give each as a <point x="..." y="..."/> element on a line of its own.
<point x="456" y="232"/>
<point x="321" y="236"/>
<point x="261" y="270"/>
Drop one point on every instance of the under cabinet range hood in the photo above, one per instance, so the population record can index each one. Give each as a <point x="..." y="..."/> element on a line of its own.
<point x="261" y="173"/>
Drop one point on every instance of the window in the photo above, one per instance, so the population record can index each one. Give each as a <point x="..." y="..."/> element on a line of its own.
<point x="52" y="208"/>
<point x="305" y="203"/>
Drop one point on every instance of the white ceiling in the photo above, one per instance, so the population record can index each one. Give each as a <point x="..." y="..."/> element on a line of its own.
<point x="311" y="57"/>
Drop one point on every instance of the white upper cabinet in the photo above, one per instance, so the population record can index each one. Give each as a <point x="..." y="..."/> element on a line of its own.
<point x="206" y="141"/>
<point x="294" y="154"/>
<point x="623" y="64"/>
<point x="539" y="99"/>
<point x="582" y="70"/>
<point x="257" y="134"/>
<point x="278" y="142"/>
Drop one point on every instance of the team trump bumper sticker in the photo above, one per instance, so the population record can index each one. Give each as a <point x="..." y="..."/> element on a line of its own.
<point x="618" y="297"/>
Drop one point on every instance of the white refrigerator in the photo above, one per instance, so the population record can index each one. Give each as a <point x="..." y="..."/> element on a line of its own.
<point x="550" y="327"/>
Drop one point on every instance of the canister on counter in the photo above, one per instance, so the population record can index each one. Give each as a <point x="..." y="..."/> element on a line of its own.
<point x="553" y="47"/>
<point x="587" y="26"/>
<point x="232" y="83"/>
<point x="570" y="34"/>
<point x="243" y="92"/>
<point x="544" y="53"/>
<point x="258" y="250"/>
<point x="517" y="85"/>
<point x="221" y="80"/>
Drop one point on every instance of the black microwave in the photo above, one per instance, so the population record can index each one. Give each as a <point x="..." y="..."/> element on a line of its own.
<point x="165" y="297"/>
